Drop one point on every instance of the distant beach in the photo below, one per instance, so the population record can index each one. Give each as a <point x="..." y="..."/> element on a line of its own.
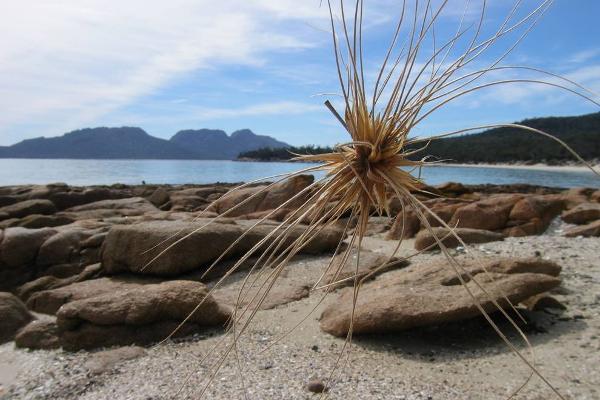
<point x="533" y="167"/>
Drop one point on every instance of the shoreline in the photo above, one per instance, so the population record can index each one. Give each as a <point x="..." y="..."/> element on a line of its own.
<point x="99" y="173"/>
<point x="532" y="167"/>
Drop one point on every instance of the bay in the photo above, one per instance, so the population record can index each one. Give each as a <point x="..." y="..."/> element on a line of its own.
<point x="107" y="172"/>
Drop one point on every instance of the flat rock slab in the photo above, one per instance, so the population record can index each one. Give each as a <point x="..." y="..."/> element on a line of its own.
<point x="427" y="237"/>
<point x="588" y="230"/>
<point x="21" y="245"/>
<point x="369" y="264"/>
<point x="543" y="301"/>
<point x="28" y="207"/>
<point x="13" y="316"/>
<point x="405" y="225"/>
<point x="431" y="294"/>
<point x="582" y="214"/>
<point x="513" y="214"/>
<point x="133" y="247"/>
<point x="51" y="282"/>
<point x="142" y="314"/>
<point x="18" y="251"/>
<point x="136" y="203"/>
<point x="260" y="198"/>
<point x="38" y="334"/>
<point x="64" y="246"/>
<point x="107" y="209"/>
<point x="540" y="207"/>
<point x="489" y="214"/>
<point x="283" y="292"/>
<point x="36" y="221"/>
<point x="49" y="301"/>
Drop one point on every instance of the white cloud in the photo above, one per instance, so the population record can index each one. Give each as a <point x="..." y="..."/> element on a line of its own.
<point x="521" y="93"/>
<point x="65" y="64"/>
<point x="274" y="108"/>
<point x="183" y="113"/>
<point x="68" y="63"/>
<point x="584" y="56"/>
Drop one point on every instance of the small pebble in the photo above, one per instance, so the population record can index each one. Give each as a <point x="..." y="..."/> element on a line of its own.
<point x="316" y="385"/>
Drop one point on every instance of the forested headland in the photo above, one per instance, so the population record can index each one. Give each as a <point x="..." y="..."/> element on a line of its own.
<point x="498" y="145"/>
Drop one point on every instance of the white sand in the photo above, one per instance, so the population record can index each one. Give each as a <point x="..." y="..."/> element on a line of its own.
<point x="534" y="167"/>
<point x="465" y="361"/>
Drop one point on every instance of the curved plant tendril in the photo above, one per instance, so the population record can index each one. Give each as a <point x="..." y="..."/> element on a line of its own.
<point x="378" y="163"/>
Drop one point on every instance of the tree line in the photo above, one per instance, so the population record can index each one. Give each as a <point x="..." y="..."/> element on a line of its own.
<point x="283" y="153"/>
<point x="498" y="145"/>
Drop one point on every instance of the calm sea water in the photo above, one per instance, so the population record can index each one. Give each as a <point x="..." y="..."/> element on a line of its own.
<point x="89" y="172"/>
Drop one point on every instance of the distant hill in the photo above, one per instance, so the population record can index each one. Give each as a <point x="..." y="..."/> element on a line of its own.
<point x="216" y="145"/>
<point x="500" y="145"/>
<point x="505" y="145"/>
<point x="135" y="143"/>
<point x="125" y="142"/>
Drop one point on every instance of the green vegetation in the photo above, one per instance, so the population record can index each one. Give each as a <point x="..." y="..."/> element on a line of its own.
<point x="505" y="145"/>
<point x="282" y="154"/>
<point x="499" y="145"/>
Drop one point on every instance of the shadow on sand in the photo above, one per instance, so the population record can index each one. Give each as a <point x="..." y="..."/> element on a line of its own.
<point x="470" y="338"/>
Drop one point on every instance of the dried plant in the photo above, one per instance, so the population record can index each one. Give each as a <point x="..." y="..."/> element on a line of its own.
<point x="382" y="159"/>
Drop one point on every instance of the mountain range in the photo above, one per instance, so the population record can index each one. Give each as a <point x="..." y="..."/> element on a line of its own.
<point x="135" y="143"/>
<point x="498" y="145"/>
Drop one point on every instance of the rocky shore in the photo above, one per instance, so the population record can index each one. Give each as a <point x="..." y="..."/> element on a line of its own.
<point x="82" y="302"/>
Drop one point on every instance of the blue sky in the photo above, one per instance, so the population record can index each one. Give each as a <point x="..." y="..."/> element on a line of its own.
<point x="258" y="64"/>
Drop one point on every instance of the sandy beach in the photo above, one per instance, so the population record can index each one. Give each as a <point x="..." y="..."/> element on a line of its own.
<point x="456" y="361"/>
<point x="71" y="262"/>
<point x="535" y="167"/>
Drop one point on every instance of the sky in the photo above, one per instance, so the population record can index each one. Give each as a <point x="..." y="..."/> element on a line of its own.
<point x="267" y="65"/>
